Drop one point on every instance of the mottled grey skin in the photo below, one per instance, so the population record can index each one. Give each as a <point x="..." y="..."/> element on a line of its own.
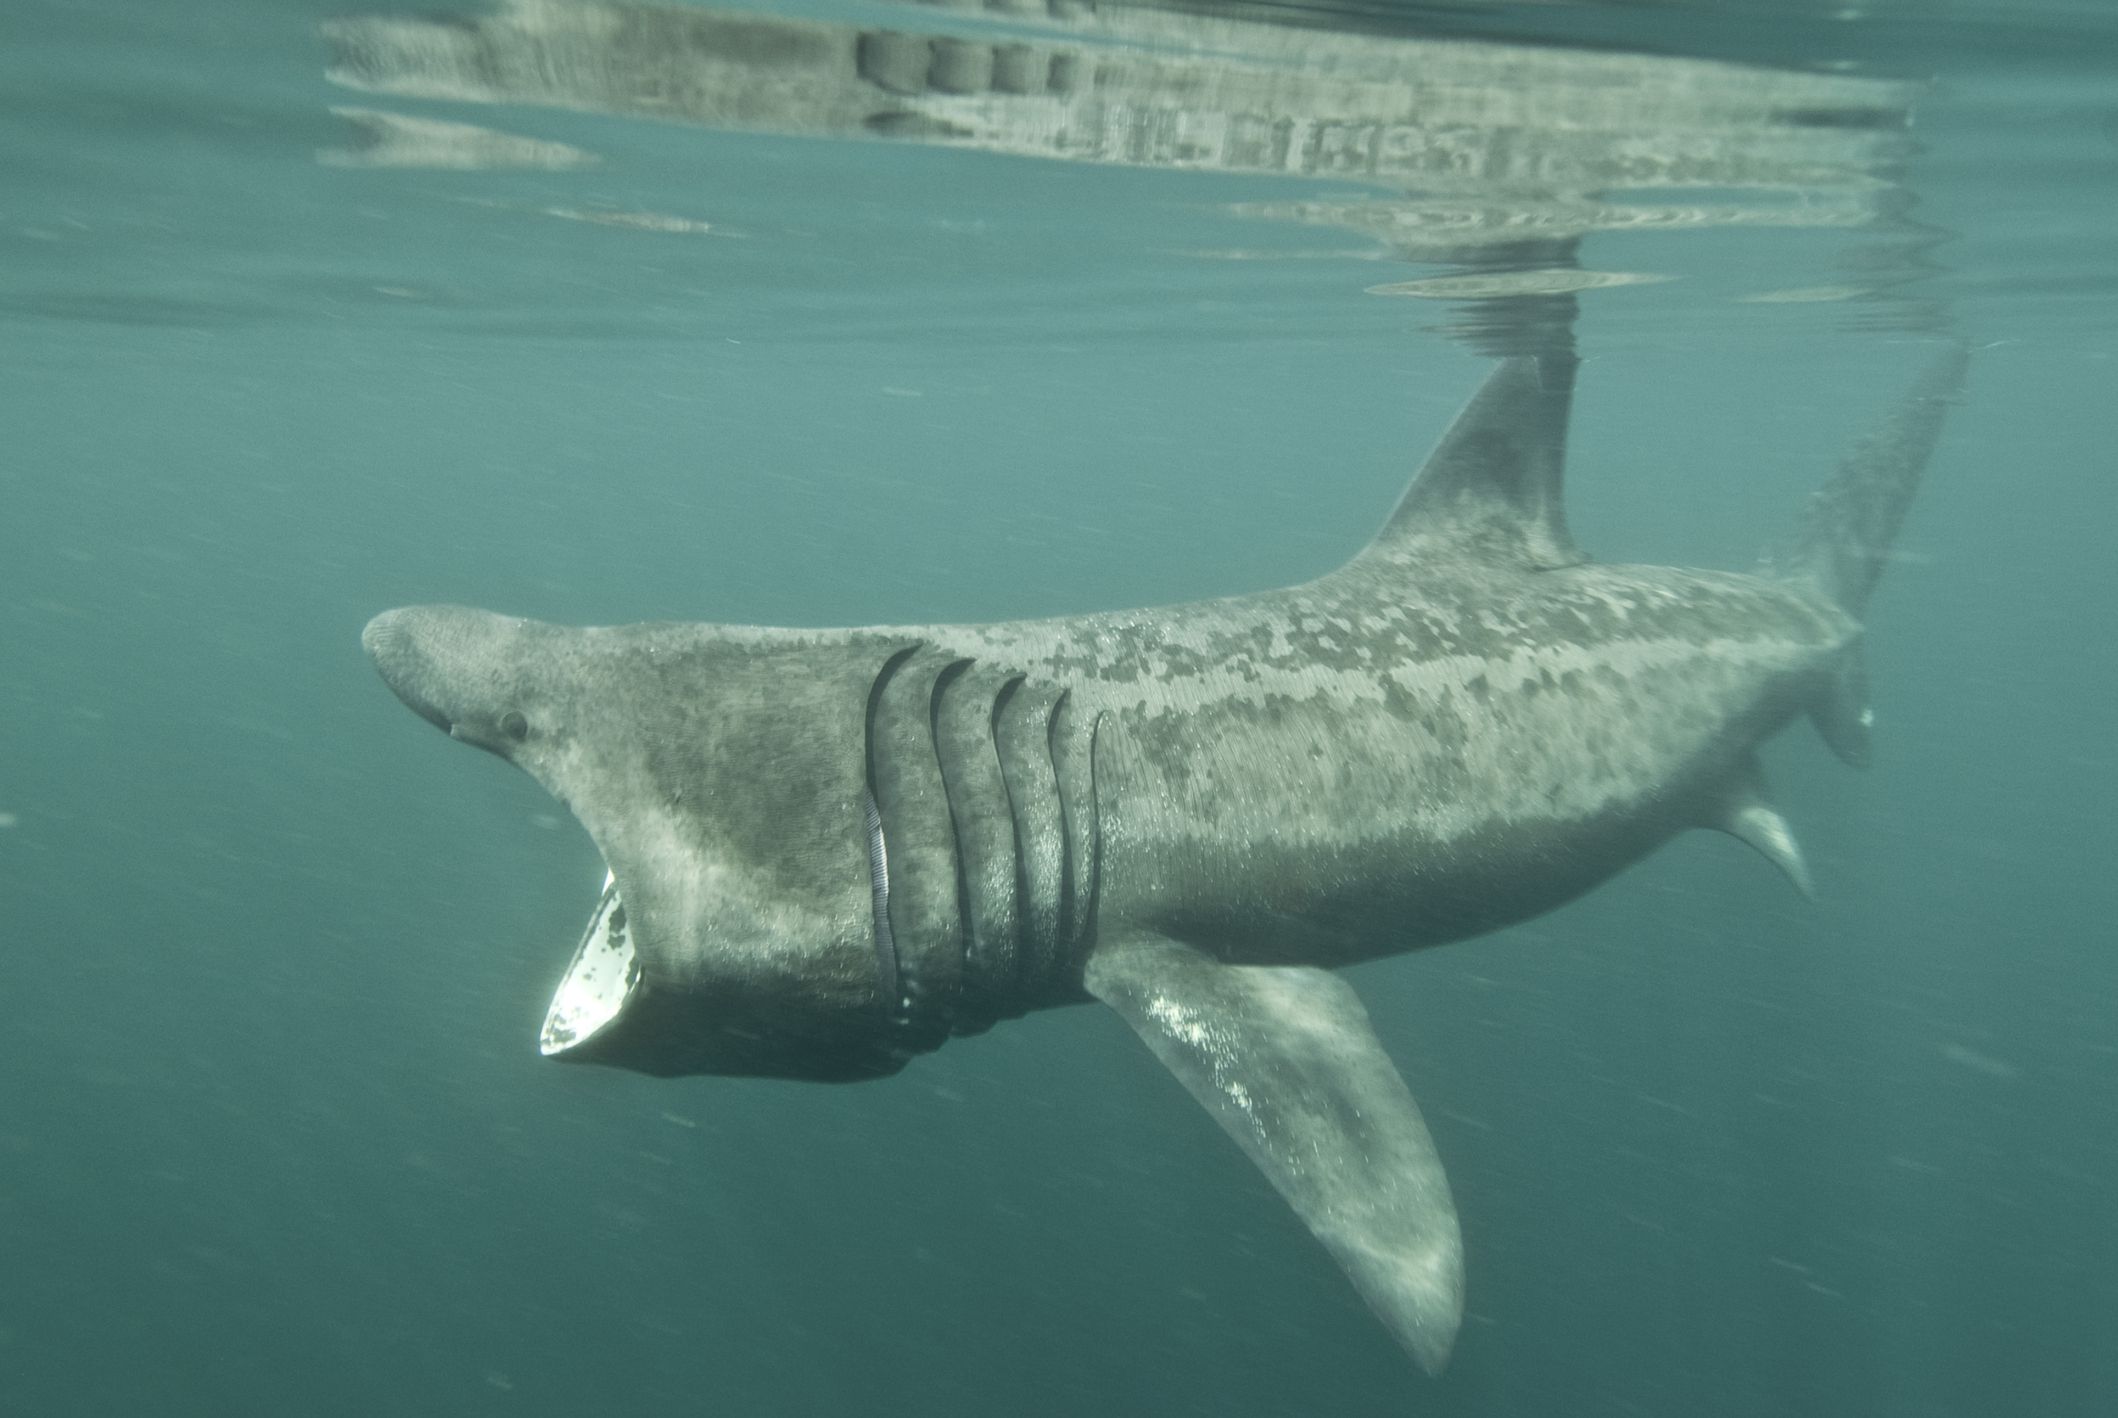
<point x="1190" y="812"/>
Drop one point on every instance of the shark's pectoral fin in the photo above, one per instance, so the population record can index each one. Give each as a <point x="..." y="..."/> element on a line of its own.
<point x="1285" y="1060"/>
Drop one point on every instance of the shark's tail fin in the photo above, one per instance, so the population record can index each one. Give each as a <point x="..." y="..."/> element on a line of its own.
<point x="1852" y="519"/>
<point x="1849" y="524"/>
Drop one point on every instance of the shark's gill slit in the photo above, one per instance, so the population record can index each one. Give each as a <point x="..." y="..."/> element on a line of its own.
<point x="1052" y="731"/>
<point x="1024" y="929"/>
<point x="1020" y="738"/>
<point x="1095" y="826"/>
<point x="890" y="975"/>
<point x="966" y="922"/>
<point x="879" y="897"/>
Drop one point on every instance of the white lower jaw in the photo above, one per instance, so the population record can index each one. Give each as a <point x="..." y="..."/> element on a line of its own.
<point x="602" y="978"/>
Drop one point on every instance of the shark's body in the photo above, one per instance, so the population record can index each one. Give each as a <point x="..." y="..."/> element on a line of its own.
<point x="833" y="849"/>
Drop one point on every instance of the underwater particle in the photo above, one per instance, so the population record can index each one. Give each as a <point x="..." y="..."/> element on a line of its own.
<point x="636" y="221"/>
<point x="1966" y="1057"/>
<point x="1806" y="295"/>
<point x="7" y="820"/>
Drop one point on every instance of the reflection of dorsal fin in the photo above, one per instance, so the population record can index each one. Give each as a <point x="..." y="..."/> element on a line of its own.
<point x="1492" y="486"/>
<point x="1745" y="812"/>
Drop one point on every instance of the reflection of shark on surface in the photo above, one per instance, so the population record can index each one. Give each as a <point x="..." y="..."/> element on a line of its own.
<point x="831" y="850"/>
<point x="1463" y="150"/>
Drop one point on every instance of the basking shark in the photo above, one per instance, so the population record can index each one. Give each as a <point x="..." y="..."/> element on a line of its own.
<point x="829" y="851"/>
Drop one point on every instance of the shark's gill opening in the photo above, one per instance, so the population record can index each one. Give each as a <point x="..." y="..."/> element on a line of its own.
<point x="599" y="982"/>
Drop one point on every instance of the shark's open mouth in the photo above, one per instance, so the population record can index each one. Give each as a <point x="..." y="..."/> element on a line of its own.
<point x="602" y="978"/>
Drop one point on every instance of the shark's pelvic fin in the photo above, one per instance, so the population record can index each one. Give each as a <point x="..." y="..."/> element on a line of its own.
<point x="1746" y="813"/>
<point x="1494" y="483"/>
<point x="1285" y="1060"/>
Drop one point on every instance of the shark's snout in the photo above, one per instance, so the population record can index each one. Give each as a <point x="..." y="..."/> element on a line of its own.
<point x="394" y="642"/>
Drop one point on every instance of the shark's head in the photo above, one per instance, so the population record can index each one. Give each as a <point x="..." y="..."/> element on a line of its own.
<point x="721" y="774"/>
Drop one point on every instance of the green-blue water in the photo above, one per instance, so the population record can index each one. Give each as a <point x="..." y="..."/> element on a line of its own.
<point x="274" y="1137"/>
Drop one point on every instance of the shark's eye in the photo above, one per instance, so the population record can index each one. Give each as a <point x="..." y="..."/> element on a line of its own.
<point x="514" y="726"/>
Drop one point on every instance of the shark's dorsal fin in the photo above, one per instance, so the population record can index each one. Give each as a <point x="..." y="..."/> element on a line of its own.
<point x="1492" y="487"/>
<point x="1284" y="1059"/>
